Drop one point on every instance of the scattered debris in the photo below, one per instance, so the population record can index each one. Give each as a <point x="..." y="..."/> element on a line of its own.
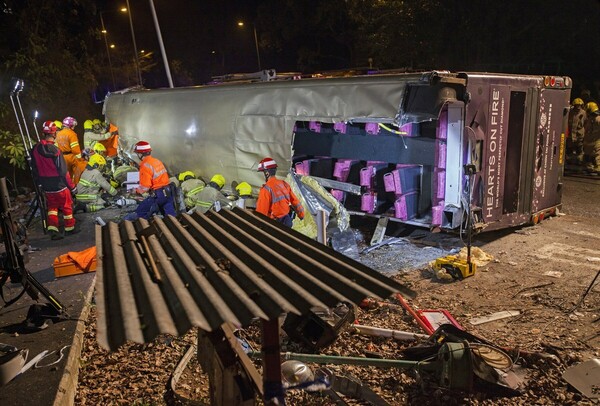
<point x="532" y="287"/>
<point x="585" y="377"/>
<point x="553" y="274"/>
<point x="494" y="316"/>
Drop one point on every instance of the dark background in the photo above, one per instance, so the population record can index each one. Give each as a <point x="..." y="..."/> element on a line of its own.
<point x="58" y="48"/>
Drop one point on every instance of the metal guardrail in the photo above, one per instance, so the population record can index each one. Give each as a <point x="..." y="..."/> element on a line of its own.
<point x="203" y="270"/>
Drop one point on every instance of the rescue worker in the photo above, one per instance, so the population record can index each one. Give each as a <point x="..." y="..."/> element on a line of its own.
<point x="190" y="188"/>
<point x="244" y="193"/>
<point x="88" y="134"/>
<point x="80" y="164"/>
<point x="211" y="196"/>
<point x="577" y="119"/>
<point x="92" y="184"/>
<point x="68" y="143"/>
<point x="99" y="149"/>
<point x="50" y="172"/>
<point x="275" y="198"/>
<point x="591" y="144"/>
<point x="96" y="133"/>
<point x="154" y="183"/>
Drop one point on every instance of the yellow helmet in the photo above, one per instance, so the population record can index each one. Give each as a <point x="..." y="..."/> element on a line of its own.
<point x="99" y="148"/>
<point x="58" y="124"/>
<point x="218" y="179"/>
<point x="185" y="176"/>
<point x="96" y="121"/>
<point x="244" y="189"/>
<point x="96" y="161"/>
<point x="592" y="107"/>
<point x="578" y="102"/>
<point x="87" y="125"/>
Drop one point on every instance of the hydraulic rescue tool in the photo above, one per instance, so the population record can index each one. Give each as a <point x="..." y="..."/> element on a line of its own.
<point x="12" y="263"/>
<point x="455" y="266"/>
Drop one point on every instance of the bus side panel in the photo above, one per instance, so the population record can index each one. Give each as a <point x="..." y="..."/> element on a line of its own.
<point x="547" y="190"/>
<point x="491" y="123"/>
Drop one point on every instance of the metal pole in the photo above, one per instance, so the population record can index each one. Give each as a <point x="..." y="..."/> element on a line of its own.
<point x="30" y="143"/>
<point x="137" y="62"/>
<point x="162" y="46"/>
<point x="256" y="44"/>
<point x="37" y="134"/>
<point x="105" y="33"/>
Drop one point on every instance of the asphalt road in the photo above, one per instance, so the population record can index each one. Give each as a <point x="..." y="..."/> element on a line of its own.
<point x="47" y="385"/>
<point x="40" y="386"/>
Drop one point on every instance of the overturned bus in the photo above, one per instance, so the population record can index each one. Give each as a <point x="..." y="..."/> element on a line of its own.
<point x="394" y="145"/>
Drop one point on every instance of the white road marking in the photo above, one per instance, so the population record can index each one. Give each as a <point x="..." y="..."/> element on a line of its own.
<point x="578" y="256"/>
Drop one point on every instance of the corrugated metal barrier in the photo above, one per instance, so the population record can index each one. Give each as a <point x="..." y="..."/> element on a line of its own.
<point x="202" y="270"/>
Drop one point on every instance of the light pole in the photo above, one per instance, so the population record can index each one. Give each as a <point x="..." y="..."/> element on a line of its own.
<point x="241" y="24"/>
<point x="160" y="42"/>
<point x="137" y="62"/>
<point x="104" y="33"/>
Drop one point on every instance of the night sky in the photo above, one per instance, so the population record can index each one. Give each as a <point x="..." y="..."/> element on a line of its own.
<point x="202" y="34"/>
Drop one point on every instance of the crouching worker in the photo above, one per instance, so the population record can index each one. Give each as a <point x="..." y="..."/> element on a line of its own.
<point x="91" y="186"/>
<point x="190" y="187"/>
<point x="276" y="198"/>
<point x="210" y="196"/>
<point x="154" y="185"/>
<point x="245" y="200"/>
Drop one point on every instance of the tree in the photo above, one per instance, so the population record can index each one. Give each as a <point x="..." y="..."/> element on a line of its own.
<point x="47" y="45"/>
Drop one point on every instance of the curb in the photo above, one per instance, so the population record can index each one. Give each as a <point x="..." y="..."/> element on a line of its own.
<point x="67" y="388"/>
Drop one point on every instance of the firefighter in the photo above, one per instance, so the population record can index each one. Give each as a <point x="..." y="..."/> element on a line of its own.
<point x="81" y="164"/>
<point x="591" y="145"/>
<point x="50" y="172"/>
<point x="276" y="199"/>
<point x="92" y="184"/>
<point x="68" y="143"/>
<point x="211" y="196"/>
<point x="88" y="134"/>
<point x="244" y="193"/>
<point x="96" y="133"/>
<point x="577" y="119"/>
<point x="154" y="184"/>
<point x="190" y="188"/>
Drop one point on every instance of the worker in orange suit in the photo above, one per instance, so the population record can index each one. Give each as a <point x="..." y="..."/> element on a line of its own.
<point x="68" y="143"/>
<point x="276" y="199"/>
<point x="154" y="184"/>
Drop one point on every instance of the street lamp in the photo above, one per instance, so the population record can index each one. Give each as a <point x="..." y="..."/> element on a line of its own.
<point x="112" y="75"/>
<point x="241" y="24"/>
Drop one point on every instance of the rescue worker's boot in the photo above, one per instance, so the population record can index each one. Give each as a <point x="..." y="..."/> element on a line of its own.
<point x="55" y="235"/>
<point x="80" y="208"/>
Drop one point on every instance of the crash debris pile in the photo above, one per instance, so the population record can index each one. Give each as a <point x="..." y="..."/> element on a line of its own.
<point x="143" y="373"/>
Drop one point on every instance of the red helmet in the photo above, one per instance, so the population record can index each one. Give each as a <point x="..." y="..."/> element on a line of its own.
<point x="142" y="147"/>
<point x="49" y="127"/>
<point x="266" y="163"/>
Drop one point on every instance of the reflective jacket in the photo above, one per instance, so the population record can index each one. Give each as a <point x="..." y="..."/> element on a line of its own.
<point x="49" y="167"/>
<point x="207" y="197"/>
<point x="91" y="184"/>
<point x="67" y="142"/>
<point x="190" y="189"/>
<point x="275" y="199"/>
<point x="153" y="175"/>
<point x="91" y="137"/>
